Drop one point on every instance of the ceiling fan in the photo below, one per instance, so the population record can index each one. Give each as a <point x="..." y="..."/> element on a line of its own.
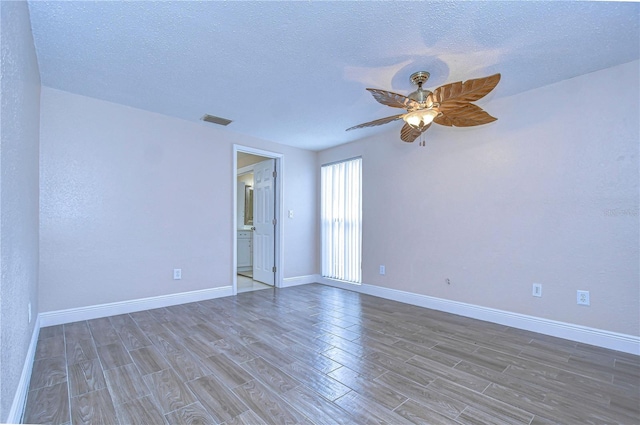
<point x="448" y="105"/>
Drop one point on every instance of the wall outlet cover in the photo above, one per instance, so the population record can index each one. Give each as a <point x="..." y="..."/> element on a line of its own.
<point x="177" y="274"/>
<point x="537" y="290"/>
<point x="583" y="298"/>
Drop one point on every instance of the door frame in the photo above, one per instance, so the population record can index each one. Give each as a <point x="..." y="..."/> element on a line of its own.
<point x="279" y="213"/>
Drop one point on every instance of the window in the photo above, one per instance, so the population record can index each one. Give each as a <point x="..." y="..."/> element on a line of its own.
<point x="341" y="215"/>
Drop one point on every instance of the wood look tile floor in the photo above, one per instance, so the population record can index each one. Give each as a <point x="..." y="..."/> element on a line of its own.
<point x="314" y="354"/>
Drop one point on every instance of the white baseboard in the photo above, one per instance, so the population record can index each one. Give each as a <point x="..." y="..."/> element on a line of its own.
<point x="299" y="280"/>
<point x="601" y="338"/>
<point x="20" y="398"/>
<point x="51" y="318"/>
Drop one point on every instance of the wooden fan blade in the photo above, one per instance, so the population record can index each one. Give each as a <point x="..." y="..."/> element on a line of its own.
<point x="455" y="95"/>
<point x="409" y="134"/>
<point x="392" y="99"/>
<point x="468" y="115"/>
<point x="377" y="122"/>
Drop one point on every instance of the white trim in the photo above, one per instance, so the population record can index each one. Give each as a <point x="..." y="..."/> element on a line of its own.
<point x="279" y="213"/>
<point x="20" y="399"/>
<point x="299" y="280"/>
<point x="244" y="170"/>
<point x="601" y="338"/>
<point x="51" y="318"/>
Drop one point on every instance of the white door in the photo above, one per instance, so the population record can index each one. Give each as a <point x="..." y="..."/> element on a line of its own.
<point x="263" y="215"/>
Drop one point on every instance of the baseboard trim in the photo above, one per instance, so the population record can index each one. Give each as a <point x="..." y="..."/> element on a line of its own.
<point x="51" y="318"/>
<point x="299" y="280"/>
<point x="20" y="398"/>
<point x="601" y="338"/>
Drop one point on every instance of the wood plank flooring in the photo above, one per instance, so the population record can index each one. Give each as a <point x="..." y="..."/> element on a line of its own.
<point x="314" y="354"/>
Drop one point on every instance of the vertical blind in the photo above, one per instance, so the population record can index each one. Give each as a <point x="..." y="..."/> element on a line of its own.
<point x="341" y="215"/>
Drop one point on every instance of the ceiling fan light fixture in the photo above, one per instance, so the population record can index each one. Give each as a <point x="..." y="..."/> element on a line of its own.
<point x="421" y="118"/>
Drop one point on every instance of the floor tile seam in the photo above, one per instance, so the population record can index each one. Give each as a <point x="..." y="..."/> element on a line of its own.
<point x="401" y="404"/>
<point x="418" y="344"/>
<point x="344" y="395"/>
<point x="304" y="361"/>
<point x="319" y="350"/>
<point x="528" y="356"/>
<point x="505" y="352"/>
<point x="566" y="392"/>
<point x="148" y="394"/>
<point x="502" y="404"/>
<point x="484" y="368"/>
<point x="555" y="368"/>
<point x="66" y="361"/>
<point x="581" y="374"/>
<point x="592" y="362"/>
<point x="477" y="363"/>
<point x="569" y="398"/>
<point x="550" y="416"/>
<point x="152" y="393"/>
<point x="183" y="407"/>
<point x="219" y="381"/>
<point x="40" y="357"/>
<point x="467" y="406"/>
<point x="478" y="406"/>
<point x="331" y="324"/>
<point x="48" y="386"/>
<point x="365" y="390"/>
<point x="635" y="368"/>
<point x="424" y="406"/>
<point x="343" y="383"/>
<point x="245" y="404"/>
<point x="526" y="385"/>
<point x="297" y="410"/>
<point x="400" y="391"/>
<point x="140" y="371"/>
<point x="266" y="384"/>
<point x="329" y="358"/>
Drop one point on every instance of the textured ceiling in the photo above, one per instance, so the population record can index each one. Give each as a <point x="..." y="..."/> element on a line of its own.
<point x="296" y="72"/>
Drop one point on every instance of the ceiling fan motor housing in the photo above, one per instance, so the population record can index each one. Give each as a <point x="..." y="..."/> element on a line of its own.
<point x="420" y="95"/>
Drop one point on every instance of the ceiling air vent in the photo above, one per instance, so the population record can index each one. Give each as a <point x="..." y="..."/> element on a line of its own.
<point x="215" y="120"/>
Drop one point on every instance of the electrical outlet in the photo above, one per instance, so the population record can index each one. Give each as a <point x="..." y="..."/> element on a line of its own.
<point x="448" y="281"/>
<point x="29" y="311"/>
<point x="177" y="274"/>
<point x="537" y="290"/>
<point x="290" y="213"/>
<point x="382" y="270"/>
<point x="583" y="298"/>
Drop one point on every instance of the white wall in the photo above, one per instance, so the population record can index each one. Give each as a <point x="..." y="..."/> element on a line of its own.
<point x="547" y="194"/>
<point x="18" y="196"/>
<point x="128" y="195"/>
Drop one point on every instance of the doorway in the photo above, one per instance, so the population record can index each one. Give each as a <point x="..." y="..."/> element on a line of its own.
<point x="257" y="216"/>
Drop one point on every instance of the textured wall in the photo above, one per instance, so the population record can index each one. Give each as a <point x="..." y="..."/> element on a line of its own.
<point x="128" y="195"/>
<point x="547" y="194"/>
<point x="18" y="195"/>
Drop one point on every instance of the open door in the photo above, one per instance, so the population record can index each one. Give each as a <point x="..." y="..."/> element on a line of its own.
<point x="263" y="221"/>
